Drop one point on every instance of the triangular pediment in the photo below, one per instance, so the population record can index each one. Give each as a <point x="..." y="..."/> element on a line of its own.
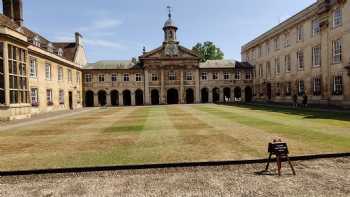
<point x="161" y="52"/>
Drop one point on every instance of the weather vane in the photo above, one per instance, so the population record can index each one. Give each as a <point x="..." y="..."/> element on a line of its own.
<point x="169" y="8"/>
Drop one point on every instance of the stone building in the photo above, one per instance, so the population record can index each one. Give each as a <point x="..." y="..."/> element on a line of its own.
<point x="36" y="75"/>
<point x="169" y="74"/>
<point x="308" y="54"/>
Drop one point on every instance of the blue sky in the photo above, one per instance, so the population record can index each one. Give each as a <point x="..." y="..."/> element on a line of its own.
<point x="118" y="29"/>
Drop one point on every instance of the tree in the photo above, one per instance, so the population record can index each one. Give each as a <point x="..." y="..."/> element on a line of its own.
<point x="208" y="51"/>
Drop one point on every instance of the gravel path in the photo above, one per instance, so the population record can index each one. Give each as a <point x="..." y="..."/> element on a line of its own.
<point x="324" y="177"/>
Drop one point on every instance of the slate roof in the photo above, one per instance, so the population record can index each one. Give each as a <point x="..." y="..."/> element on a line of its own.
<point x="113" y="65"/>
<point x="212" y="64"/>
<point x="69" y="48"/>
<point x="218" y="64"/>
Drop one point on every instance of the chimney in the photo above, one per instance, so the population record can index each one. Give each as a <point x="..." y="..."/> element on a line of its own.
<point x="79" y="39"/>
<point x="14" y="10"/>
<point x="18" y="12"/>
<point x="8" y="8"/>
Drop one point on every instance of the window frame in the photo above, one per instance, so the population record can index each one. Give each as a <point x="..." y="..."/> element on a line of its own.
<point x="188" y="76"/>
<point x="338" y="85"/>
<point x="300" y="60"/>
<point x="204" y="76"/>
<point x="61" y="96"/>
<point x="60" y="73"/>
<point x="138" y="77"/>
<point x="215" y="76"/>
<point x="337" y="19"/>
<point x="48" y="71"/>
<point x="126" y="77"/>
<point x="227" y="76"/>
<point x="154" y="77"/>
<point x="34" y="97"/>
<point x="114" y="77"/>
<point x="33" y="68"/>
<point x="316" y="57"/>
<point x="88" y="78"/>
<point x="49" y="97"/>
<point x="172" y="76"/>
<point x="237" y="75"/>
<point x="101" y="78"/>
<point x="337" y="51"/>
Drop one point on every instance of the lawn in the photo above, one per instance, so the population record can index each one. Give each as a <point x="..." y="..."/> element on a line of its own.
<point x="178" y="133"/>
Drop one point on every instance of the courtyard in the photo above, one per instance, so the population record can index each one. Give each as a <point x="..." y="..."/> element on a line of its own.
<point x="163" y="134"/>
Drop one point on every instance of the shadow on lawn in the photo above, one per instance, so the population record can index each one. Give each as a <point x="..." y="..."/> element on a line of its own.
<point x="307" y="113"/>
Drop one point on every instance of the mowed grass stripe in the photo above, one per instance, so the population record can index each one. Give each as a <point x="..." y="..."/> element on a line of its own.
<point x="133" y="122"/>
<point x="201" y="141"/>
<point x="325" y="142"/>
<point x="335" y="123"/>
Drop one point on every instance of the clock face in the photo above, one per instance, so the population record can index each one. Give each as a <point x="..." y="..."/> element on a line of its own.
<point x="171" y="50"/>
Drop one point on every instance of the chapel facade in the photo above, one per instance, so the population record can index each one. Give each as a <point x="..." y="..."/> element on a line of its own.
<point x="169" y="74"/>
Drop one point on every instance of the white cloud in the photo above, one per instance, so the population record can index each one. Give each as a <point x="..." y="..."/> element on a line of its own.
<point x="101" y="24"/>
<point x="103" y="43"/>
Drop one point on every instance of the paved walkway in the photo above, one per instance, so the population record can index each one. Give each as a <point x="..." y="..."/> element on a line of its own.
<point x="325" y="177"/>
<point x="4" y="125"/>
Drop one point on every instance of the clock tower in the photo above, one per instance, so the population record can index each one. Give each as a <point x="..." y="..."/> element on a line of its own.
<point x="170" y="42"/>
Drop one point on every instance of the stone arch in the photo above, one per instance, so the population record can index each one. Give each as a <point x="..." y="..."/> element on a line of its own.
<point x="227" y="94"/>
<point x="114" y="98"/>
<point x="204" y="95"/>
<point x="155" y="97"/>
<point x="139" y="97"/>
<point x="126" y="98"/>
<point x="238" y="93"/>
<point x="89" y="98"/>
<point x="248" y="92"/>
<point x="102" y="97"/>
<point x="216" y="95"/>
<point x="172" y="96"/>
<point x="189" y="96"/>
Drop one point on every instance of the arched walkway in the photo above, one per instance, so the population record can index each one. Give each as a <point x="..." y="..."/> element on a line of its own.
<point x="102" y="98"/>
<point x="139" y="97"/>
<point x="114" y="98"/>
<point x="89" y="98"/>
<point x="172" y="96"/>
<point x="189" y="96"/>
<point x="155" y="97"/>
<point x="216" y="95"/>
<point x="238" y="93"/>
<point x="248" y="92"/>
<point x="227" y="94"/>
<point x="204" y="95"/>
<point x="126" y="98"/>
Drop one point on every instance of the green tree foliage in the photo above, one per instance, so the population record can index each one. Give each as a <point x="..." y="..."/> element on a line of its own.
<point x="208" y="51"/>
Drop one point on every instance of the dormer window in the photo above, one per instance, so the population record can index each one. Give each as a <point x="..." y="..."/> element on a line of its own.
<point x="50" y="47"/>
<point x="60" y="52"/>
<point x="36" y="41"/>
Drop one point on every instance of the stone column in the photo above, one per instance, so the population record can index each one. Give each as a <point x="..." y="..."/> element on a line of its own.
<point x="108" y="99"/>
<point x="133" y="103"/>
<point x="197" y="89"/>
<point x="147" y="93"/>
<point x="182" y="100"/>
<point x="6" y="75"/>
<point x="210" y="95"/>
<point x="121" y="99"/>
<point x="96" y="104"/>
<point x="243" y="94"/>
<point x="162" y="88"/>
<point x="326" y="59"/>
<point x="232" y="99"/>
<point x="221" y="92"/>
